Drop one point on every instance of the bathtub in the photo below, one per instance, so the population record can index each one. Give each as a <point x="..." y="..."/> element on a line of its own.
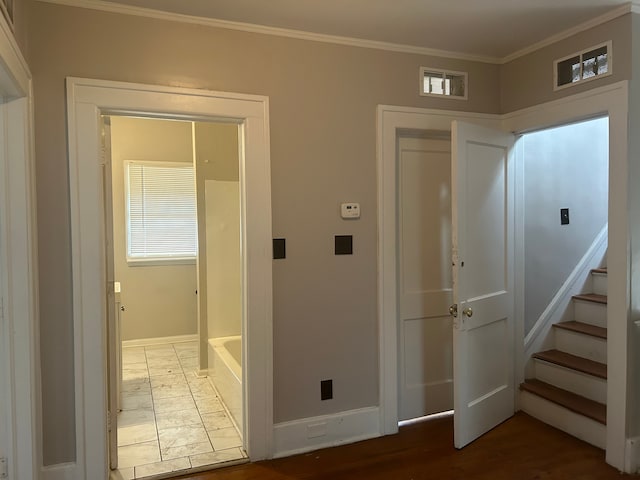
<point x="225" y="370"/>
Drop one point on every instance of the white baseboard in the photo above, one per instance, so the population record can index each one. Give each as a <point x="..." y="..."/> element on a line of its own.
<point x="62" y="471"/>
<point x="313" y="433"/>
<point x="632" y="456"/>
<point x="573" y="285"/>
<point x="144" y="342"/>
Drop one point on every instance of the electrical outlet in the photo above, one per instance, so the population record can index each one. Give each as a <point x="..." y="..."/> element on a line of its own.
<point x="326" y="389"/>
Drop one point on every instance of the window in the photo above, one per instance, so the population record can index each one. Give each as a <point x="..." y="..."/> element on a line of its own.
<point x="160" y="203"/>
<point x="434" y="82"/>
<point x="595" y="62"/>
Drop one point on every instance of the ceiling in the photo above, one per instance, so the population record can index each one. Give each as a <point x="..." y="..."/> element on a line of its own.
<point x="487" y="28"/>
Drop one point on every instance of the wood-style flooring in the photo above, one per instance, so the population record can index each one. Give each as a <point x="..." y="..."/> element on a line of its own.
<point x="521" y="448"/>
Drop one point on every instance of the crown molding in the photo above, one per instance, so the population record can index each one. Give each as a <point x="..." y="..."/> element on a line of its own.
<point x="282" y="32"/>
<point x="594" y="22"/>
<point x="107" y="6"/>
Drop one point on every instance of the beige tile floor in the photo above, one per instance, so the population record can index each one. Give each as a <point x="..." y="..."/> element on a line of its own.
<point x="171" y="420"/>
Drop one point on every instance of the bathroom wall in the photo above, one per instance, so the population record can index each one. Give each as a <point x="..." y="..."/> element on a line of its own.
<point x="217" y="183"/>
<point x="564" y="167"/>
<point x="224" y="313"/>
<point x="160" y="300"/>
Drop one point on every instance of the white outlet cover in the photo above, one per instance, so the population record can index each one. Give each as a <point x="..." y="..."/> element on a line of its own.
<point x="350" y="210"/>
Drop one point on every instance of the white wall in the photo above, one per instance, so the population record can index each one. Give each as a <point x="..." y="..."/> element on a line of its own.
<point x="565" y="167"/>
<point x="160" y="300"/>
<point x="223" y="258"/>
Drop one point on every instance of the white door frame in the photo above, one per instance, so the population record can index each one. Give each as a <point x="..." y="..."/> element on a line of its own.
<point x="18" y="264"/>
<point x="392" y="121"/>
<point x="86" y="101"/>
<point x="611" y="100"/>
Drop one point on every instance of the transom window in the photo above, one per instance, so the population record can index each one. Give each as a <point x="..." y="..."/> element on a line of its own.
<point x="594" y="62"/>
<point x="441" y="83"/>
<point x="161" y="219"/>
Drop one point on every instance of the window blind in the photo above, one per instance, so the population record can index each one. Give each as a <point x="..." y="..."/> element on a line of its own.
<point x="161" y="211"/>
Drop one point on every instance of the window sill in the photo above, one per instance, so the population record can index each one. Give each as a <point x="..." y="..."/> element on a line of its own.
<point x="156" y="262"/>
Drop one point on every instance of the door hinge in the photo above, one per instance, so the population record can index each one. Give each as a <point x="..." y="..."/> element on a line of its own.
<point x="108" y="421"/>
<point x="4" y="468"/>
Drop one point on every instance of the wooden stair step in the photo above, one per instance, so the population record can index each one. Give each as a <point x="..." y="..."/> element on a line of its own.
<point x="576" y="403"/>
<point x="573" y="362"/>
<point x="583" y="328"/>
<point x="592" y="297"/>
<point x="599" y="270"/>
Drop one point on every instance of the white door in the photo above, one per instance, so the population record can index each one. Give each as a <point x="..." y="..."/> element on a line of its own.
<point x="114" y="344"/>
<point x="424" y="277"/>
<point x="483" y="334"/>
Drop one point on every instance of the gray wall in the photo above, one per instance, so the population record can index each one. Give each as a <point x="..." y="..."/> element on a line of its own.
<point x="528" y="80"/>
<point x="323" y="139"/>
<point x="564" y="167"/>
<point x="160" y="300"/>
<point x="323" y="100"/>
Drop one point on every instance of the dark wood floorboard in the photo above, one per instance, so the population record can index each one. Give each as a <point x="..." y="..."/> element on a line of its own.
<point x="519" y="449"/>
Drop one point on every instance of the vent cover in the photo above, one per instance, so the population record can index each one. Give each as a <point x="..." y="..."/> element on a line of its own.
<point x="584" y="66"/>
<point x="442" y="83"/>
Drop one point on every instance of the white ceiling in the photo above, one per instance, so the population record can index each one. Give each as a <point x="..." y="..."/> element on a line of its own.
<point x="489" y="28"/>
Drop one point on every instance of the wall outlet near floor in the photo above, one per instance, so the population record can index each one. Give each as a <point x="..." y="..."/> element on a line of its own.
<point x="326" y="389"/>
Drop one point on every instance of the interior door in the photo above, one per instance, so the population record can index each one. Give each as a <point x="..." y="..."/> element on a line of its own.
<point x="424" y="277"/>
<point x="483" y="231"/>
<point x="114" y="344"/>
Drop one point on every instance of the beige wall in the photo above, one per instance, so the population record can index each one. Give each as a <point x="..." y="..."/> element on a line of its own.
<point x="322" y="121"/>
<point x="528" y="80"/>
<point x="323" y="100"/>
<point x="160" y="300"/>
<point x="217" y="158"/>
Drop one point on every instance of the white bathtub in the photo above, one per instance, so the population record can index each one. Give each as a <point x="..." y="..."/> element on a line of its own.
<point x="225" y="370"/>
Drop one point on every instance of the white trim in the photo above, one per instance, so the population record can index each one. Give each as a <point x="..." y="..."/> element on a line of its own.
<point x="62" y="471"/>
<point x="611" y="99"/>
<point x="557" y="310"/>
<point x="307" y="434"/>
<point x="265" y="30"/>
<point x="341" y="40"/>
<point x="19" y="358"/>
<point x="632" y="455"/>
<point x="144" y="342"/>
<point x="86" y="99"/>
<point x="589" y="24"/>
<point x="390" y="120"/>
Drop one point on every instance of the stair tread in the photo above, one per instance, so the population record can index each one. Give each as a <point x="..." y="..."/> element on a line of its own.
<point x="592" y="297"/>
<point x="573" y="362"/>
<point x="584" y="328"/>
<point x="599" y="270"/>
<point x="569" y="400"/>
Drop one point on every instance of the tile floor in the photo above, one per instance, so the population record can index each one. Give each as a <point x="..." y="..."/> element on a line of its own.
<point x="171" y="420"/>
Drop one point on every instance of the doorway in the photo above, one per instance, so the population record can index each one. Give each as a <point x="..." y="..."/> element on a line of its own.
<point x="424" y="275"/>
<point x="175" y="233"/>
<point x="88" y="100"/>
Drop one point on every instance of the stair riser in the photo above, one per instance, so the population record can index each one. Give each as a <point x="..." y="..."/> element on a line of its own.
<point x="581" y="345"/>
<point x="559" y="417"/>
<point x="599" y="283"/>
<point x="590" y="312"/>
<point x="582" y="384"/>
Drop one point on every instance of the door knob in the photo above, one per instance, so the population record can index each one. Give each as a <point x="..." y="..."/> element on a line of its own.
<point x="453" y="310"/>
<point x="468" y="312"/>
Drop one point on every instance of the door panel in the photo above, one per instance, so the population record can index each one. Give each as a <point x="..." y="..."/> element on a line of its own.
<point x="483" y="335"/>
<point x="424" y="277"/>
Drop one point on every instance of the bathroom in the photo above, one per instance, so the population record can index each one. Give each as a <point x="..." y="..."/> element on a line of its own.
<point x="177" y="271"/>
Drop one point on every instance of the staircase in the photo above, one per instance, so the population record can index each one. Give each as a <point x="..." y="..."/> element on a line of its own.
<point x="569" y="390"/>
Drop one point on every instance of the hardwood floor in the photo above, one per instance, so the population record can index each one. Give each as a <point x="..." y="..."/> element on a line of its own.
<point x="521" y="448"/>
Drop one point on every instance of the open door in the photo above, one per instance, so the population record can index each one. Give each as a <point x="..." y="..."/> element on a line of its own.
<point x="483" y="235"/>
<point x="114" y="344"/>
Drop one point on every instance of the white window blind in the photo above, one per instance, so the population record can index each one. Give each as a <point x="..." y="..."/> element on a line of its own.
<point x="160" y="211"/>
